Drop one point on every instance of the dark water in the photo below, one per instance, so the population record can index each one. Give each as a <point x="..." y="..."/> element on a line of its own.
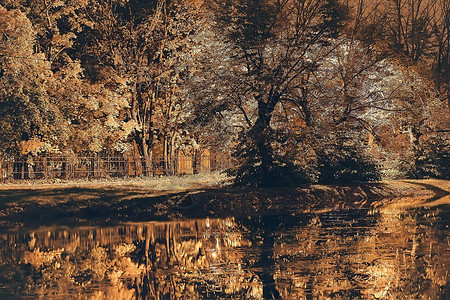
<point x="391" y="253"/>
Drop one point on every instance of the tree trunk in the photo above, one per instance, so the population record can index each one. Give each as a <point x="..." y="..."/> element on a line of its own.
<point x="92" y="167"/>
<point x="17" y="170"/>
<point x="172" y="155"/>
<point x="147" y="159"/>
<point x="25" y="169"/>
<point x="195" y="162"/>
<point x="144" y="149"/>
<point x="265" y="265"/>
<point x="64" y="168"/>
<point x="165" y="156"/>
<point x="260" y="131"/>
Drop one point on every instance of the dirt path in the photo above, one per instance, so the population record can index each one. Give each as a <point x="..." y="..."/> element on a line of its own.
<point x="440" y="195"/>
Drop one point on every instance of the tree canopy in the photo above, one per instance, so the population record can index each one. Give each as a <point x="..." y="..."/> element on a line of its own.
<point x="297" y="91"/>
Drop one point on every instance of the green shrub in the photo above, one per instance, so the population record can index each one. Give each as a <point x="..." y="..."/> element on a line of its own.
<point x="277" y="171"/>
<point x="432" y="160"/>
<point x="346" y="163"/>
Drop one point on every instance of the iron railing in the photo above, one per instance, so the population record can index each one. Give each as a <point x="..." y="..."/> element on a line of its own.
<point x="92" y="167"/>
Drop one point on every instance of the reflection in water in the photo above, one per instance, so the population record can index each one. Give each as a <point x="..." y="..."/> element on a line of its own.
<point x="344" y="254"/>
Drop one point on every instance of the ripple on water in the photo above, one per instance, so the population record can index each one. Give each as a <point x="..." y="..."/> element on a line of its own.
<point x="394" y="253"/>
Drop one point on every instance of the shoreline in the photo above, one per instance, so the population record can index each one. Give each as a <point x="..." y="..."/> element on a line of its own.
<point x="97" y="203"/>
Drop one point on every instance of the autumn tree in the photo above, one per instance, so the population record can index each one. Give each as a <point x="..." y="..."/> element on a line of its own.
<point x="26" y="110"/>
<point x="418" y="33"/>
<point x="277" y="45"/>
<point x="353" y="94"/>
<point x="441" y="29"/>
<point x="400" y="108"/>
<point x="410" y="26"/>
<point x="137" y="49"/>
<point x="118" y="71"/>
<point x="84" y="108"/>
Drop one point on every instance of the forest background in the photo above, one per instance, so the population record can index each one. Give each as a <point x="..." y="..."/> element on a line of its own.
<point x="296" y="91"/>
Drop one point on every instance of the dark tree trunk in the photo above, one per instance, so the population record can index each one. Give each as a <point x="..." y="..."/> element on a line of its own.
<point x="145" y="152"/>
<point x="63" y="169"/>
<point x="147" y="159"/>
<point x="266" y="263"/>
<point x="260" y="131"/>
<point x="195" y="162"/>
<point x="255" y="149"/>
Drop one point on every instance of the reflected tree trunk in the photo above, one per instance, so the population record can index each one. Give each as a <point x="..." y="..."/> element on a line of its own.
<point x="265" y="266"/>
<point x="266" y="275"/>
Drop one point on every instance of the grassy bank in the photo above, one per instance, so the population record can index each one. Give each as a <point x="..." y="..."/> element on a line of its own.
<point x="103" y="202"/>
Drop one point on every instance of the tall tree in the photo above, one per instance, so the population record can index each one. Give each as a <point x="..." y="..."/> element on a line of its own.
<point x="441" y="28"/>
<point x="26" y="110"/>
<point x="85" y="109"/>
<point x="277" y="45"/>
<point x="410" y="24"/>
<point x="137" y="48"/>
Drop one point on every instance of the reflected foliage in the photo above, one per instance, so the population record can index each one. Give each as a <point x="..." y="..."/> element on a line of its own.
<point x="387" y="253"/>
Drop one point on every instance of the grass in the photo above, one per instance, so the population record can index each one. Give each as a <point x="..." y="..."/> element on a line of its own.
<point x="196" y="196"/>
<point x="158" y="183"/>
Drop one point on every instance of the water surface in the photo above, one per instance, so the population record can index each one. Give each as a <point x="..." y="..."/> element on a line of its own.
<point x="390" y="253"/>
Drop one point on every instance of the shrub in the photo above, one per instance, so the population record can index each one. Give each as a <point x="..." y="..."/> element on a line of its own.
<point x="280" y="171"/>
<point x="432" y="160"/>
<point x="346" y="163"/>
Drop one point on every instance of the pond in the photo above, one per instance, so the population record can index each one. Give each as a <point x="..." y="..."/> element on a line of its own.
<point x="385" y="253"/>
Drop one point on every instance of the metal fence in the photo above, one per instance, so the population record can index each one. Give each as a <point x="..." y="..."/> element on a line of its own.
<point x="93" y="167"/>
